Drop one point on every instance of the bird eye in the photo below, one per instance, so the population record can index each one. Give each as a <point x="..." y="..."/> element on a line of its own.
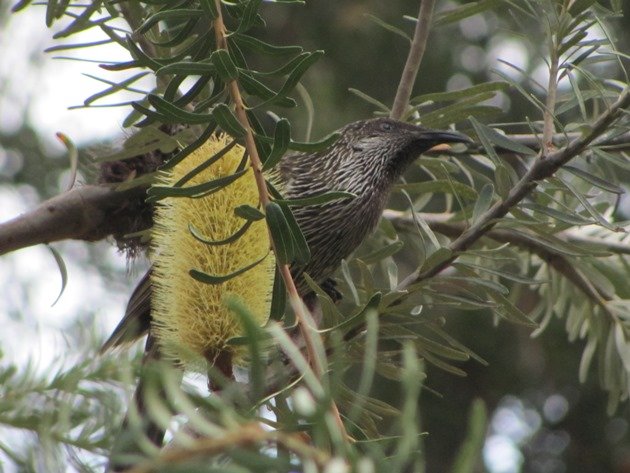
<point x="386" y="126"/>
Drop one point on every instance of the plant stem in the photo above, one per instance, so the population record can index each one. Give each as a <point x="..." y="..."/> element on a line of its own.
<point x="550" y="103"/>
<point x="416" y="51"/>
<point x="305" y="321"/>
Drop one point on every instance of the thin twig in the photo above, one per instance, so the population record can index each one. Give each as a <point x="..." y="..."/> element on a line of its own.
<point x="305" y="321"/>
<point x="414" y="58"/>
<point x="439" y="223"/>
<point x="246" y="436"/>
<point x="541" y="169"/>
<point x="550" y="103"/>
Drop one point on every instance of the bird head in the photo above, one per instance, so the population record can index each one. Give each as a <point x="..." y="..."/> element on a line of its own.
<point x="383" y="148"/>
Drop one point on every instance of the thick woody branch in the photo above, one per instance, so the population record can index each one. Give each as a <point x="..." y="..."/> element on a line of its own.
<point x="542" y="168"/>
<point x="88" y="213"/>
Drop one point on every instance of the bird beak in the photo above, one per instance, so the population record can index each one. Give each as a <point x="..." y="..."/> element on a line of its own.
<point x="442" y="138"/>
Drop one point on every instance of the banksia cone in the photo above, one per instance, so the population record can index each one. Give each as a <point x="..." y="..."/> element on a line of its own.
<point x="190" y="318"/>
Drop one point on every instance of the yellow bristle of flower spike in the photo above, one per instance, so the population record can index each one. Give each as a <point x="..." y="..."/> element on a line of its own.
<point x="190" y="318"/>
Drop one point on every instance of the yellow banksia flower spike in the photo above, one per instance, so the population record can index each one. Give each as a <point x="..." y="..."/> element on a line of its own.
<point x="190" y="318"/>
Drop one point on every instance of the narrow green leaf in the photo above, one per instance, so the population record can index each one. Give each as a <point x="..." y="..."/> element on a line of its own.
<point x="314" y="146"/>
<point x="500" y="140"/>
<point x="255" y="44"/>
<point x="226" y="119"/>
<point x="194" y="231"/>
<point x="20" y="5"/>
<point x="258" y="89"/>
<point x="466" y="93"/>
<point x="318" y="199"/>
<point x="151" y="116"/>
<point x="280" y="232"/>
<point x="282" y="70"/>
<point x="297" y="73"/>
<point x="255" y="337"/>
<point x="438" y="256"/>
<point x="509" y="275"/>
<point x="278" y="297"/>
<point x="345" y="271"/>
<point x="302" y="253"/>
<point x="621" y="161"/>
<point x="483" y="202"/>
<point x="225" y="66"/>
<point x="248" y="212"/>
<point x="465" y="11"/>
<point x="180" y="36"/>
<point x="596" y="181"/>
<point x="371" y="100"/>
<point x="65" y="47"/>
<point x="388" y="27"/>
<point x="572" y="218"/>
<point x="444" y="351"/>
<point x="199" y="190"/>
<point x="209" y="8"/>
<point x="469" y="454"/>
<point x="457" y="113"/>
<point x="529" y="96"/>
<point x="73" y="158"/>
<point x="509" y="311"/>
<point x="115" y="87"/>
<point x="589" y="207"/>
<point x="140" y="56"/>
<point x="167" y="15"/>
<point x="63" y="271"/>
<point x="486" y="141"/>
<point x="358" y="318"/>
<point x="175" y="114"/>
<point x="249" y="16"/>
<point x="187" y="68"/>
<point x="281" y="141"/>
<point x="207" y="133"/>
<point x="215" y="279"/>
<point x="383" y="252"/>
<point x="441" y="186"/>
<point x="205" y="165"/>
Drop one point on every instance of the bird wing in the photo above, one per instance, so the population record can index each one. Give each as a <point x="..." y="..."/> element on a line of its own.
<point x="137" y="319"/>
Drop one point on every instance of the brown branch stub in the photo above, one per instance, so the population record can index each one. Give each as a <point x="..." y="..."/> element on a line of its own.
<point x="414" y="58"/>
<point x="245" y="436"/>
<point x="88" y="213"/>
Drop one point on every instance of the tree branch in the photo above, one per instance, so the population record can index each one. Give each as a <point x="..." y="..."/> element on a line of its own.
<point x="414" y="58"/>
<point x="440" y="223"/>
<point x="88" y="213"/>
<point x="79" y="222"/>
<point x="541" y="169"/>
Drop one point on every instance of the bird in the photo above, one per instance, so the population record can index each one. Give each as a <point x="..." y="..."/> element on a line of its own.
<point x="366" y="160"/>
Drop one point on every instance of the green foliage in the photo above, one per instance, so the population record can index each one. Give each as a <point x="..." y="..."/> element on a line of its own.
<point x="561" y="245"/>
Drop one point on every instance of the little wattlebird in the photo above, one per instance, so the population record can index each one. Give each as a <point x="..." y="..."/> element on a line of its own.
<point x="366" y="160"/>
